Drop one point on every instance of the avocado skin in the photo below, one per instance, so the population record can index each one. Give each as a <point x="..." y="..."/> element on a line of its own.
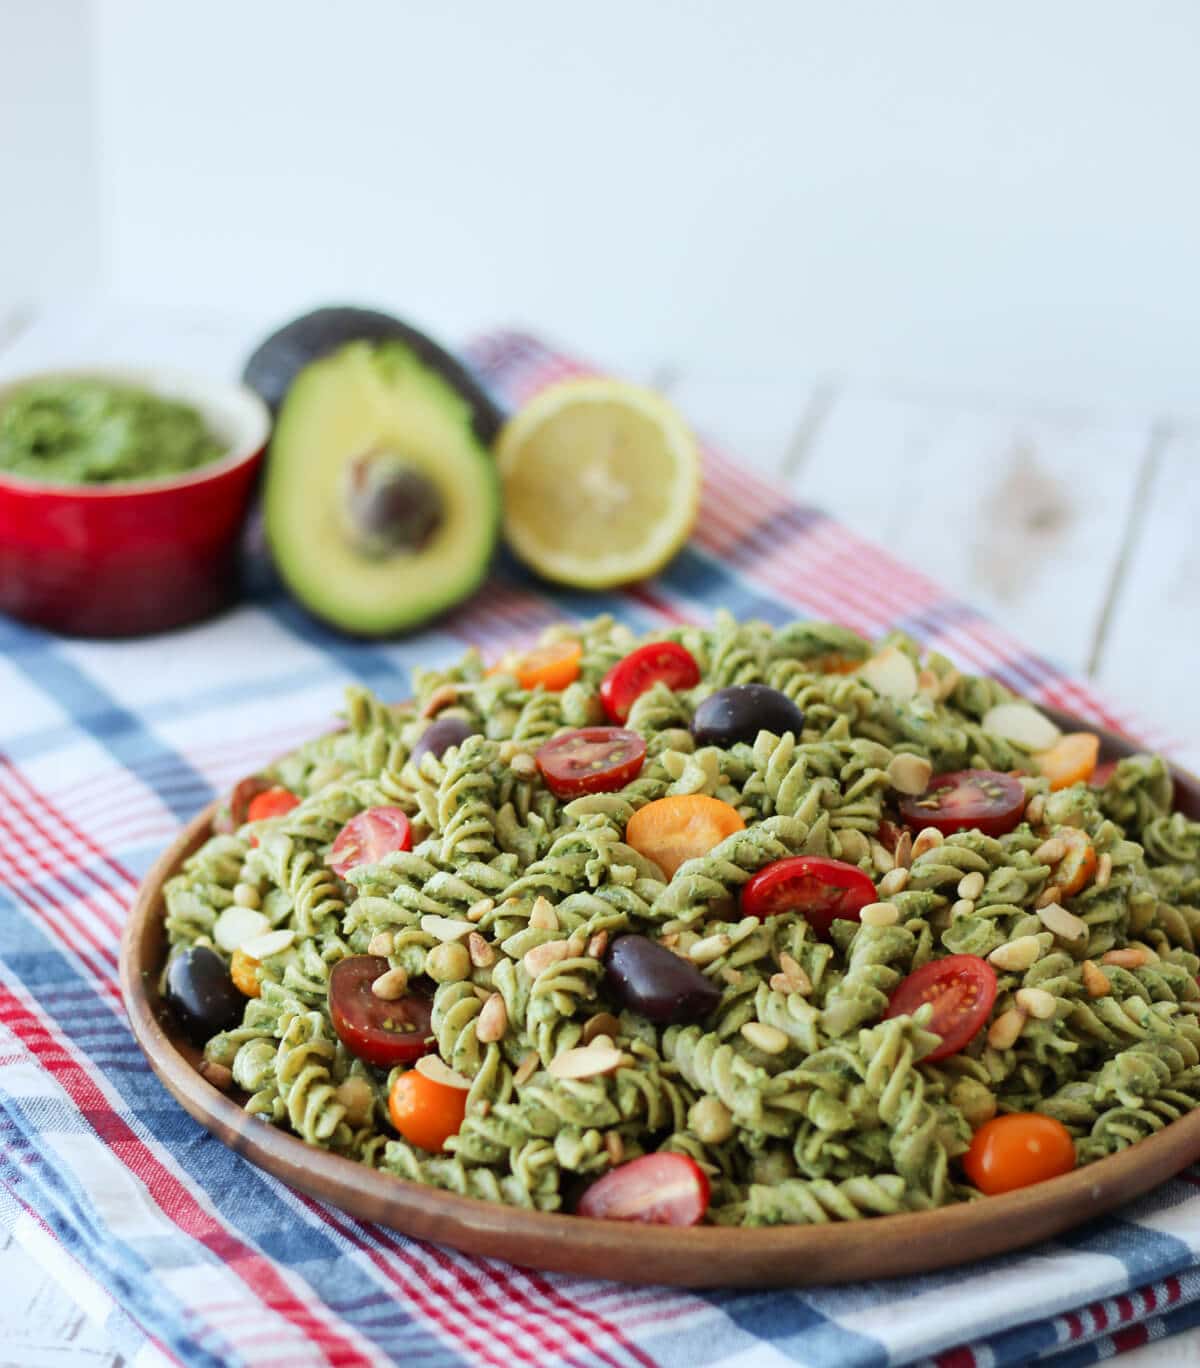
<point x="276" y="362"/>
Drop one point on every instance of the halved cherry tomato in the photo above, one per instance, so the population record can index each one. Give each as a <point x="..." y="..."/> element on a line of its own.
<point x="982" y="800"/>
<point x="671" y="831"/>
<point x="1010" y="1152"/>
<point x="553" y="666"/>
<point x="272" y="802"/>
<point x="242" y="970"/>
<point x="1077" y="867"/>
<point x="1071" y="760"/>
<point x="656" y="1189"/>
<point x="833" y="663"/>
<point x="962" y="989"/>
<point x="381" y="1031"/>
<point x="661" y="662"/>
<point x="368" y="837"/>
<point x="590" y="760"/>
<point x="821" y="890"/>
<point x="425" y="1112"/>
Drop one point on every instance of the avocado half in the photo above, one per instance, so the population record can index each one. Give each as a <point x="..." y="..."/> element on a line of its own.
<point x="381" y="501"/>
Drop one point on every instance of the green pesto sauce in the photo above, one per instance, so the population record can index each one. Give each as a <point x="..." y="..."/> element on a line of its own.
<point x="94" y="432"/>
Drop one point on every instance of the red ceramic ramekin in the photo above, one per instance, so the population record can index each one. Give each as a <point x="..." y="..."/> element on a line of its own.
<point x="121" y="560"/>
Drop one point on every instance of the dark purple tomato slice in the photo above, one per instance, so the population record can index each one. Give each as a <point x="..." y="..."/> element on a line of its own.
<point x="967" y="800"/>
<point x="661" y="662"/>
<point x="368" y="837"/>
<point x="962" y="989"/>
<point x="380" y="1031"/>
<point x="591" y="760"/>
<point x="821" y="890"/>
<point x="657" y="1189"/>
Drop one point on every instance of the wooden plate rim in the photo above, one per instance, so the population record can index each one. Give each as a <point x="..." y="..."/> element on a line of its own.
<point x="706" y="1256"/>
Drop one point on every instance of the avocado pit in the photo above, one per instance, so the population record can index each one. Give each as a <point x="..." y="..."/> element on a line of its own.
<point x="388" y="505"/>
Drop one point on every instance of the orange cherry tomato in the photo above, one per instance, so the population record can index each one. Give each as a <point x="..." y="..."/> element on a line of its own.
<point x="425" y="1112"/>
<point x="1071" y="760"/>
<point x="673" y="830"/>
<point x="553" y="666"/>
<point x="1010" y="1152"/>
<point x="1077" y="867"/>
<point x="833" y="663"/>
<point x="242" y="969"/>
<point x="273" y="802"/>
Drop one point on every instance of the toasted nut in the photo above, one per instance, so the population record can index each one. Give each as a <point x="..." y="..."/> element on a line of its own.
<point x="1131" y="958"/>
<point x="217" y="1074"/>
<point x="971" y="885"/>
<point x="894" y="882"/>
<point x="853" y="845"/>
<point x="246" y="895"/>
<point x="730" y="974"/>
<point x="903" y="852"/>
<point x="796" y="973"/>
<point x="780" y="983"/>
<point x="882" y="858"/>
<point x="543" y="915"/>
<point x="768" y="1039"/>
<point x="481" y="992"/>
<point x="576" y="944"/>
<point x="1017" y="956"/>
<point x="615" y="1146"/>
<point x="445" y="928"/>
<point x="1003" y="1032"/>
<point x="265" y="946"/>
<point x="526" y="1069"/>
<point x="523" y="765"/>
<point x="442" y="697"/>
<point x="597" y="945"/>
<point x="482" y="954"/>
<point x="602" y="1042"/>
<point x="1035" y="809"/>
<point x="477" y="911"/>
<point x="541" y="957"/>
<point x="603" y="1023"/>
<point x="709" y="1121"/>
<point x="1104" y="869"/>
<point x="437" y="1071"/>
<point x="879" y="914"/>
<point x="356" y="1095"/>
<point x="928" y="838"/>
<point x="1051" y="851"/>
<point x="483" y="1108"/>
<point x="492" y="1021"/>
<point x="589" y="1062"/>
<point x="381" y="943"/>
<point x="1037" y="1002"/>
<point x="392" y="985"/>
<point x="909" y="774"/>
<point x="1062" y="923"/>
<point x="1050" y="894"/>
<point x="710" y="948"/>
<point x="1095" y="980"/>
<point x="963" y="907"/>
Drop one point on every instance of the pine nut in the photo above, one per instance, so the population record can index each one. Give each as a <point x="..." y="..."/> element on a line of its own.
<point x="1017" y="956"/>
<point x="928" y="838"/>
<point x="1004" y="1031"/>
<point x="879" y="914"/>
<point x="1037" y="1002"/>
<point x="709" y="1121"/>
<point x="597" y="945"/>
<point x="710" y="948"/>
<point x="769" y="1039"/>
<point x="893" y="883"/>
<point x="541" y="957"/>
<point x="1131" y="958"/>
<point x="971" y="885"/>
<point x="543" y="915"/>
<point x="795" y="971"/>
<point x="481" y="992"/>
<point x="963" y="907"/>
<point x="246" y="895"/>
<point x="576" y="942"/>
<point x="882" y="858"/>
<point x="523" y="765"/>
<point x="1063" y="923"/>
<point x="603" y="1023"/>
<point x="526" y="1069"/>
<point x="1104" y="869"/>
<point x="909" y="774"/>
<point x="493" y="1020"/>
<point x="482" y="954"/>
<point x="1050" y="894"/>
<point x="392" y="985"/>
<point x="903" y="852"/>
<point x="477" y="911"/>
<point x="438" y="1071"/>
<point x="1051" y="851"/>
<point x="445" y="928"/>
<point x="1095" y="980"/>
<point x="1035" y="809"/>
<point x="615" y="1147"/>
<point x="588" y="1062"/>
<point x="381" y="943"/>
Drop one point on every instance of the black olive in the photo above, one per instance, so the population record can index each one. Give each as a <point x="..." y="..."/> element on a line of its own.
<point x="389" y="505"/>
<point x="439" y="736"/>
<point x="741" y="711"/>
<point x="646" y="976"/>
<point x="202" y="993"/>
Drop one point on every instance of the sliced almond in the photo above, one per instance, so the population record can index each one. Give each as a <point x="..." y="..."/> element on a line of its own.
<point x="1037" y="1002"/>
<point x="445" y="929"/>
<point x="891" y="674"/>
<point x="493" y="1020"/>
<point x="236" y="925"/>
<point x="1017" y="955"/>
<point x="603" y="1023"/>
<point x="541" y="957"/>
<point x="588" y="1062"/>
<point x="526" y="1069"/>
<point x="1064" y="924"/>
<point x="391" y="985"/>
<point x="543" y="915"/>
<point x="433" y="1067"/>
<point x="1022" y="724"/>
<point x="1095" y="980"/>
<point x="909" y="774"/>
<point x="1004" y="1031"/>
<point x="272" y="943"/>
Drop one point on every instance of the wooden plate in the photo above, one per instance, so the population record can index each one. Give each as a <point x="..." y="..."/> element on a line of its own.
<point x="782" y="1256"/>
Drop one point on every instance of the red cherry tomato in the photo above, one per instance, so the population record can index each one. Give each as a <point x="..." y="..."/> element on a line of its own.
<point x="591" y="760"/>
<point x="657" y="1189"/>
<point x="233" y="812"/>
<point x="962" y="989"/>
<point x="820" y="890"/>
<point x="367" y="838"/>
<point x="965" y="800"/>
<point x="1010" y="1152"/>
<point x="272" y="802"/>
<point x="380" y="1031"/>
<point x="425" y="1112"/>
<point x="661" y="662"/>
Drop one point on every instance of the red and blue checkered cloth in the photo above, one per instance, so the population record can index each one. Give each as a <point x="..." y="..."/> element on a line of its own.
<point x="186" y="1250"/>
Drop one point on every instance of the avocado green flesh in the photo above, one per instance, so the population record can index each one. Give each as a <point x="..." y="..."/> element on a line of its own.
<point x="367" y="398"/>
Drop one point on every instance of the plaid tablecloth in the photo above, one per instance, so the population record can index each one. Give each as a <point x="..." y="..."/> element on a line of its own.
<point x="188" y="1251"/>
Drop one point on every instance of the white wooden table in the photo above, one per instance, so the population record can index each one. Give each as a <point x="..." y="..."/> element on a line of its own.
<point x="1076" y="530"/>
